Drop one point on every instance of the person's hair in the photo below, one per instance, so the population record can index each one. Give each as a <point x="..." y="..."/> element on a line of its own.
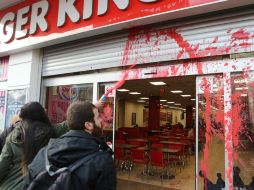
<point x="78" y="113"/>
<point x="33" y="111"/>
<point x="33" y="115"/>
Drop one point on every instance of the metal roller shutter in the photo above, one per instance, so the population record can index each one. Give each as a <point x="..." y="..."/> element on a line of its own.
<point x="211" y="36"/>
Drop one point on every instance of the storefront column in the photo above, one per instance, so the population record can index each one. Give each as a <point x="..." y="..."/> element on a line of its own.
<point x="154" y="112"/>
<point x="95" y="92"/>
<point x="189" y="114"/>
<point x="35" y="76"/>
<point x="228" y="132"/>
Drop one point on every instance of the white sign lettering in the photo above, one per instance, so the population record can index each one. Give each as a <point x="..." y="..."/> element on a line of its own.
<point x="66" y="7"/>
<point x="18" y="25"/>
<point x="7" y="27"/>
<point x="21" y="21"/>
<point x="39" y="11"/>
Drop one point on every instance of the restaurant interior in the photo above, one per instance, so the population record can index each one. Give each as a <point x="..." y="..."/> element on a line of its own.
<point x="155" y="144"/>
<point x="154" y="137"/>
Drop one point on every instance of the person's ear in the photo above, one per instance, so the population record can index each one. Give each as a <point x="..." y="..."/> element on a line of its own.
<point x="88" y="126"/>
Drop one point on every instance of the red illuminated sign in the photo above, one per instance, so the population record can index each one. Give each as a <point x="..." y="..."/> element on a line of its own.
<point x="34" y="18"/>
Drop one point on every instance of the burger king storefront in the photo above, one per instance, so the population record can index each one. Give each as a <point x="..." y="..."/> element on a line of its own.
<point x="175" y="77"/>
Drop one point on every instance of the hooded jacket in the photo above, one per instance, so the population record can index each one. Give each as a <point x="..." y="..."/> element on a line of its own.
<point x="98" y="174"/>
<point x="11" y="177"/>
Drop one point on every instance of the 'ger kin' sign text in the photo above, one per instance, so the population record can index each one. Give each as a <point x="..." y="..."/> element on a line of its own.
<point x="29" y="19"/>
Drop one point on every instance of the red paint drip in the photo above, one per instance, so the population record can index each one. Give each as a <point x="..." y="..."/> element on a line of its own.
<point x="181" y="42"/>
<point x="207" y="95"/>
<point x="130" y="42"/>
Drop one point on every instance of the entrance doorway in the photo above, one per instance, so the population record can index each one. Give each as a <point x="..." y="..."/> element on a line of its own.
<point x="155" y="132"/>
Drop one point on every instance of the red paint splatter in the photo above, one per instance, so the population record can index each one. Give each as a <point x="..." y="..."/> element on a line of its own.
<point x="237" y="121"/>
<point x="234" y="67"/>
<point x="207" y="96"/>
<point x="240" y="35"/>
<point x="181" y="42"/>
<point x="215" y="40"/>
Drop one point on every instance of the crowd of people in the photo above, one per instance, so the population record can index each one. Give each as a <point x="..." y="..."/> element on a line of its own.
<point x="71" y="155"/>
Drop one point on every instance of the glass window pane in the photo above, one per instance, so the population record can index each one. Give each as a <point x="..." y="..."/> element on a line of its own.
<point x="107" y="112"/>
<point x="211" y="146"/>
<point x="60" y="97"/>
<point x="243" y="129"/>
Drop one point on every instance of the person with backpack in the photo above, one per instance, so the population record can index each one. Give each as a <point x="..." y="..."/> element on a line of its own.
<point x="78" y="160"/>
<point x="29" y="135"/>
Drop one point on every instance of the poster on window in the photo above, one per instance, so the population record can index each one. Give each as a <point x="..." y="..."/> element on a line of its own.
<point x="15" y="100"/>
<point x="2" y="108"/>
<point x="4" y="68"/>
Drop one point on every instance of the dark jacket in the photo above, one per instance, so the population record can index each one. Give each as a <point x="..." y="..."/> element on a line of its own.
<point x="61" y="129"/>
<point x="97" y="174"/>
<point x="10" y="159"/>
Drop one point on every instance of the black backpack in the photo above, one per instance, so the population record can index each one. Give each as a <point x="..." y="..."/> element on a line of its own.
<point x="60" y="178"/>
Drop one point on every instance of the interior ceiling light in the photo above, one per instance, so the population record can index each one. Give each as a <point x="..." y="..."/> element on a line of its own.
<point x="177" y="104"/>
<point x="134" y="93"/>
<point x="170" y="102"/>
<point x="144" y="98"/>
<point x="193" y="99"/>
<point x="141" y="101"/>
<point x="122" y="90"/>
<point x="158" y="83"/>
<point x="176" y="91"/>
<point x="163" y="100"/>
<point x="240" y="81"/>
<point x="186" y="95"/>
<point x="238" y="88"/>
<point x="241" y="88"/>
<point x="173" y="107"/>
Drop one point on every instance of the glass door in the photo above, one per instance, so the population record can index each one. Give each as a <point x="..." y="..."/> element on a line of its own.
<point x="107" y="113"/>
<point x="242" y="95"/>
<point x="210" y="152"/>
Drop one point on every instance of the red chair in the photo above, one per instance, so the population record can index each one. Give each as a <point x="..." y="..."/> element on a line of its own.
<point x="120" y="135"/>
<point x="119" y="155"/>
<point x="153" y="139"/>
<point x="120" y="141"/>
<point x="157" y="160"/>
<point x="140" y="157"/>
<point x="179" y="157"/>
<point x="157" y="146"/>
<point x="134" y="142"/>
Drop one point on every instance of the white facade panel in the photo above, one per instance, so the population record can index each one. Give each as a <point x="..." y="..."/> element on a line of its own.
<point x="20" y="58"/>
<point x="220" y="35"/>
<point x="19" y="70"/>
<point x="24" y="71"/>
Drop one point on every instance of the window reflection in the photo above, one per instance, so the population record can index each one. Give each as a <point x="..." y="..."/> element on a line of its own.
<point x="211" y="147"/>
<point x="60" y="97"/>
<point x="243" y="129"/>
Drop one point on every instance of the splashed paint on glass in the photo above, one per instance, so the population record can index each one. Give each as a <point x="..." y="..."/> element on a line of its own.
<point x="150" y="40"/>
